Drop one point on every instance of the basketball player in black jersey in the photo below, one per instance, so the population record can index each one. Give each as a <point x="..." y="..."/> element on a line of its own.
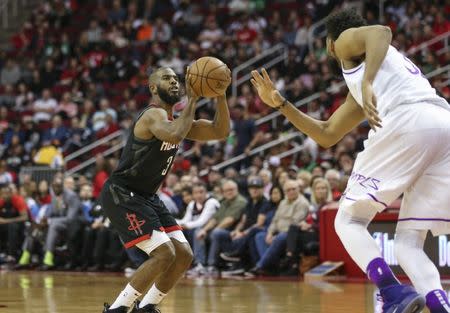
<point x="129" y="196"/>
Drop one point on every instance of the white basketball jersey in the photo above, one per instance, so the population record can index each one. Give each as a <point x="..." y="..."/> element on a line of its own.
<point x="398" y="82"/>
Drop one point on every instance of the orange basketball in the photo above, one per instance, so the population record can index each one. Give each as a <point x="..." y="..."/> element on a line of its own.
<point x="209" y="77"/>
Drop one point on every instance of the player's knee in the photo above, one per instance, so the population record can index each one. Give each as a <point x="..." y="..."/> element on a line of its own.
<point x="165" y="253"/>
<point x="184" y="255"/>
<point x="340" y="223"/>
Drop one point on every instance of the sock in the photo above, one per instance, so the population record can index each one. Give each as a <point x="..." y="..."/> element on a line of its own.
<point x="25" y="258"/>
<point x="153" y="296"/>
<point x="437" y="301"/>
<point x="48" y="259"/>
<point x="126" y="297"/>
<point x="380" y="273"/>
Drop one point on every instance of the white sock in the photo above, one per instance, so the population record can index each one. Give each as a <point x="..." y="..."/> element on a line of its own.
<point x="153" y="296"/>
<point x="126" y="297"/>
<point x="413" y="260"/>
<point x="356" y="239"/>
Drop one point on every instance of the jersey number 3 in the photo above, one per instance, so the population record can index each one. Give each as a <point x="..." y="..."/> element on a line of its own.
<point x="169" y="163"/>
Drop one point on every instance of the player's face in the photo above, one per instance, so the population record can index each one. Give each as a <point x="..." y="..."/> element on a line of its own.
<point x="168" y="87"/>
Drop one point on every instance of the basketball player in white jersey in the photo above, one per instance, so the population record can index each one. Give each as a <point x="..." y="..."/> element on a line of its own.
<point x="408" y="151"/>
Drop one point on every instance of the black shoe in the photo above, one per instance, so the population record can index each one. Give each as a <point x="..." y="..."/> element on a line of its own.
<point x="234" y="256"/>
<point x="120" y="309"/>
<point x="149" y="308"/>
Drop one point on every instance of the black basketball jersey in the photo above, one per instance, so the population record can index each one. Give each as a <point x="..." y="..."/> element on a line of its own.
<point x="144" y="164"/>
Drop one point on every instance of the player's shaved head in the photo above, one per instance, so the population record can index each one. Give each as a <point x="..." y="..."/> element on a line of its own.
<point x="163" y="83"/>
<point x="155" y="76"/>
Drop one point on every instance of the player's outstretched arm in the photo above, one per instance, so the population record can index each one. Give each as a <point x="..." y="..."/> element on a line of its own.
<point x="218" y="128"/>
<point x="325" y="133"/>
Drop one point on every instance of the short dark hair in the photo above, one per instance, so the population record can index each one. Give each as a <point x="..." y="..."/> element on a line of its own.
<point x="342" y="20"/>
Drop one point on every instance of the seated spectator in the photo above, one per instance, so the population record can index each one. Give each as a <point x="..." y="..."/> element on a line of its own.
<point x="66" y="107"/>
<point x="252" y="221"/>
<point x="229" y="213"/>
<point x="53" y="221"/>
<point x="10" y="73"/>
<point x="45" y="107"/>
<point x="276" y="195"/>
<point x="57" y="132"/>
<point x="303" y="238"/>
<point x="266" y="176"/>
<point x="13" y="214"/>
<point x="271" y="245"/>
<point x="334" y="177"/>
<point x="199" y="211"/>
<point x="5" y="176"/>
<point x="99" y="118"/>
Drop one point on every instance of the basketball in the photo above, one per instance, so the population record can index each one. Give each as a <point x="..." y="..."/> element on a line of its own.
<point x="209" y="77"/>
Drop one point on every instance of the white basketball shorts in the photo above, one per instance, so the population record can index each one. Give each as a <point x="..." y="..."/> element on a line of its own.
<point x="409" y="155"/>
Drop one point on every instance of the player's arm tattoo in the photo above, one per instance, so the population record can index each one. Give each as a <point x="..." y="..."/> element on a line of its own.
<point x="218" y="128"/>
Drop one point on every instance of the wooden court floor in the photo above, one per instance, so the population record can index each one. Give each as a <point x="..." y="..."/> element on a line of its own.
<point x="59" y="292"/>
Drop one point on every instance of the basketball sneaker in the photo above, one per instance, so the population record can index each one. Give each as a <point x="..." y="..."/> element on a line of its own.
<point x="120" y="309"/>
<point x="401" y="299"/>
<point x="149" y="308"/>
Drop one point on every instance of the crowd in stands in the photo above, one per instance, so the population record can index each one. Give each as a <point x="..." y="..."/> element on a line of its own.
<point x="77" y="72"/>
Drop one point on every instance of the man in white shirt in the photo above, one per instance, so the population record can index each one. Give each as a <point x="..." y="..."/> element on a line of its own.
<point x="45" y="107"/>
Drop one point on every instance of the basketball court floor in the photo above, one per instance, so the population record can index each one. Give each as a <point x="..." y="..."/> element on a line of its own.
<point x="59" y="292"/>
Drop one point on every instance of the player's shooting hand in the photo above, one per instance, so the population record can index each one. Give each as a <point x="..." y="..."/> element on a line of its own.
<point x="370" y="105"/>
<point x="190" y="93"/>
<point x="266" y="89"/>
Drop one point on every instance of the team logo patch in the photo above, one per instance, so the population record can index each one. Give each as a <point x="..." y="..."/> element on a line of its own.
<point x="135" y="224"/>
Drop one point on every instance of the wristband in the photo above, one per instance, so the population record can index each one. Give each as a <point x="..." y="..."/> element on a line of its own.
<point x="282" y="104"/>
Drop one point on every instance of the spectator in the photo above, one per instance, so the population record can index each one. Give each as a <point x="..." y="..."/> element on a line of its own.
<point x="94" y="33"/>
<point x="333" y="177"/>
<point x="10" y="73"/>
<point x="199" y="211"/>
<point x="272" y="245"/>
<point x="45" y="107"/>
<point x="302" y="239"/>
<point x="7" y="98"/>
<point x="13" y="214"/>
<point x="55" y="219"/>
<point x="99" y="120"/>
<point x="5" y="177"/>
<point x="57" y="131"/>
<point x="66" y="107"/>
<point x="229" y="213"/>
<point x="266" y="177"/>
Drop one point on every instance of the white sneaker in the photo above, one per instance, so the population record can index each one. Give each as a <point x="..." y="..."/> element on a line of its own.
<point x="198" y="270"/>
<point x="212" y="271"/>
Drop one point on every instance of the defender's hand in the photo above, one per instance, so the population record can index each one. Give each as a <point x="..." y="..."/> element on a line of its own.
<point x="370" y="105"/>
<point x="266" y="89"/>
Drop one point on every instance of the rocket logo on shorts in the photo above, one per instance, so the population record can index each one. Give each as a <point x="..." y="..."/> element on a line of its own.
<point x="135" y="224"/>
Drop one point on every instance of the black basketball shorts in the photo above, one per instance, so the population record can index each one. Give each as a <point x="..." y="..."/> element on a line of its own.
<point x="135" y="216"/>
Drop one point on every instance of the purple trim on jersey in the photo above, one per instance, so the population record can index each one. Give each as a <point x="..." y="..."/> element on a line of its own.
<point x="353" y="70"/>
<point x="376" y="200"/>
<point x="423" y="219"/>
<point x="351" y="199"/>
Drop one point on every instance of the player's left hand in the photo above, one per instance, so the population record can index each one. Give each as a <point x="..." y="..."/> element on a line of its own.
<point x="190" y="93"/>
<point x="370" y="105"/>
<point x="266" y="89"/>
